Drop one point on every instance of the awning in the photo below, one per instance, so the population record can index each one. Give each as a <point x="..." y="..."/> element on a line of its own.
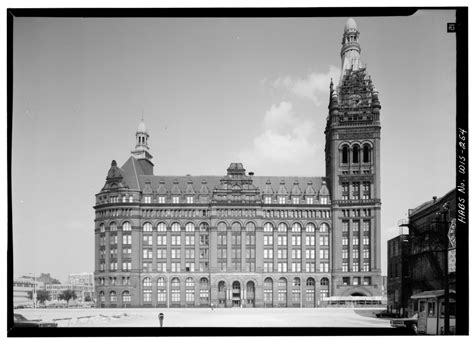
<point x="432" y="294"/>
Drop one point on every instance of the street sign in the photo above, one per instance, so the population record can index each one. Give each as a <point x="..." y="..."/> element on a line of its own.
<point x="451" y="260"/>
<point x="452" y="233"/>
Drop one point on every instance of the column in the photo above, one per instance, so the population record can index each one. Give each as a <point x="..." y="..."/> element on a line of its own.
<point x="259" y="248"/>
<point x="119" y="248"/>
<point x="107" y="249"/>
<point x="242" y="250"/>
<point x="229" y="248"/>
<point x="154" y="246"/>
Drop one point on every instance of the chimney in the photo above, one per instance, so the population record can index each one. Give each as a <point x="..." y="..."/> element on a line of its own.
<point x="434" y="198"/>
<point x="251" y="174"/>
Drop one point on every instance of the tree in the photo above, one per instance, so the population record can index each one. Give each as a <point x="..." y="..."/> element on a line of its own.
<point x="87" y="298"/>
<point x="30" y="294"/>
<point x="42" y="296"/>
<point x="67" y="295"/>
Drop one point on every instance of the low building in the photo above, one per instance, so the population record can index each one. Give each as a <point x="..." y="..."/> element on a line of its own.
<point x="23" y="291"/>
<point x="397" y="269"/>
<point x="81" y="279"/>
<point x="431" y="238"/>
<point x="81" y="290"/>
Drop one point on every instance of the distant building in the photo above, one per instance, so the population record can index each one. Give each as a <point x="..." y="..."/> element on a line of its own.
<point x="23" y="289"/>
<point x="428" y="227"/>
<point x="81" y="279"/>
<point x="397" y="270"/>
<point x="81" y="290"/>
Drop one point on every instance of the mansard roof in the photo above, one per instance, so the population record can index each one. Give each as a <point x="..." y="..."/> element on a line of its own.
<point x="136" y="177"/>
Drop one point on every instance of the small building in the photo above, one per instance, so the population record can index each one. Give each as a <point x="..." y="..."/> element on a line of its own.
<point x="397" y="270"/>
<point x="23" y="291"/>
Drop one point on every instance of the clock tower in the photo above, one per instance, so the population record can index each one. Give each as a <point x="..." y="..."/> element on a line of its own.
<point x="353" y="174"/>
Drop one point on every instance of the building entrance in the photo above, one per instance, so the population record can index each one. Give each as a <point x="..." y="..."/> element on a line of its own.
<point x="236" y="294"/>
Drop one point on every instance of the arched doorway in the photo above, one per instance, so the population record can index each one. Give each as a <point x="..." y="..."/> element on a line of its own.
<point x="236" y="294"/>
<point x="268" y="292"/>
<point x="221" y="293"/>
<point x="250" y="294"/>
<point x="357" y="294"/>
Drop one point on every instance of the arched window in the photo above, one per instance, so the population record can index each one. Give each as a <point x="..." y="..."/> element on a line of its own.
<point x="126" y="226"/>
<point x="102" y="296"/>
<point x="310" y="282"/>
<point x="203" y="282"/>
<point x="189" y="290"/>
<point x="221" y="227"/>
<point x="282" y="228"/>
<point x="250" y="227"/>
<point x="268" y="228"/>
<point x="221" y="286"/>
<point x="190" y="228"/>
<point x="113" y="296"/>
<point x="236" y="227"/>
<point x="175" y="228"/>
<point x="160" y="282"/>
<point x="189" y="282"/>
<point x="310" y="228"/>
<point x="102" y="228"/>
<point x="366" y="154"/>
<point x="324" y="281"/>
<point x="147" y="282"/>
<point x="345" y="154"/>
<point x="147" y="227"/>
<point x="323" y="228"/>
<point x="113" y="226"/>
<point x="296" y="228"/>
<point x="161" y="290"/>
<point x="175" y="291"/>
<point x="282" y="291"/>
<point x="126" y="296"/>
<point x="268" y="292"/>
<point x="204" y="227"/>
<point x="355" y="154"/>
<point x="161" y="227"/>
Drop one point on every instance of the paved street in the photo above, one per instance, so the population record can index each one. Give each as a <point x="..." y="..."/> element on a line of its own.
<point x="205" y="317"/>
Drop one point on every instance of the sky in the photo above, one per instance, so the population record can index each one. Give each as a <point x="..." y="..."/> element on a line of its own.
<point x="212" y="92"/>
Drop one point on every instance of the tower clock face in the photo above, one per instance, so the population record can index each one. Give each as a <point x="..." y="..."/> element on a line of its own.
<point x="355" y="99"/>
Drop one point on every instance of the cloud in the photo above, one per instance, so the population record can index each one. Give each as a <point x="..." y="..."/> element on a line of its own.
<point x="313" y="86"/>
<point x="286" y="144"/>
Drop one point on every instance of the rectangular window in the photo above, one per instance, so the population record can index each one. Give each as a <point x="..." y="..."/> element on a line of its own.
<point x="323" y="240"/>
<point x="147" y="266"/>
<point x="175" y="240"/>
<point x="282" y="240"/>
<point x="365" y="253"/>
<point x="296" y="253"/>
<point x="175" y="253"/>
<point x="324" y="267"/>
<point x="175" y="267"/>
<point x="204" y="240"/>
<point x="345" y="241"/>
<point x="126" y="266"/>
<point x="268" y="253"/>
<point x="365" y="241"/>
<point x="355" y="225"/>
<point x="189" y="199"/>
<point x="355" y="253"/>
<point x="161" y="240"/>
<point x="366" y="267"/>
<point x="310" y="254"/>
<point x="189" y="240"/>
<point x="367" y="281"/>
<point x="281" y="200"/>
<point x="161" y="199"/>
<point x="345" y="226"/>
<point x="296" y="200"/>
<point x="147" y="199"/>
<point x="310" y="267"/>
<point x="113" y="239"/>
<point x="189" y="253"/>
<point x="175" y="199"/>
<point x="147" y="240"/>
<point x="309" y="200"/>
<point x="324" y="200"/>
<point x="282" y="253"/>
<point x="203" y="253"/>
<point x="309" y="240"/>
<point x="147" y="295"/>
<point x="296" y="266"/>
<point x="345" y="267"/>
<point x="355" y="266"/>
<point x="296" y="240"/>
<point x="190" y="266"/>
<point x="355" y="241"/>
<point x="324" y="253"/>
<point x="130" y="199"/>
<point x="147" y="253"/>
<point x="268" y="267"/>
<point x="282" y="267"/>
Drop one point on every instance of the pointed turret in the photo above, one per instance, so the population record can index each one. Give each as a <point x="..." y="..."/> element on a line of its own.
<point x="141" y="151"/>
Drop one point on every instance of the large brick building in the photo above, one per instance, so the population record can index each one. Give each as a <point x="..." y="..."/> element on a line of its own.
<point x="245" y="240"/>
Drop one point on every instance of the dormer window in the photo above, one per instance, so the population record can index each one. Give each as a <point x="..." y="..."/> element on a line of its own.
<point x="175" y="199"/>
<point x="268" y="200"/>
<point x="281" y="200"/>
<point x="130" y="199"/>
<point x="124" y="199"/>
<point x="324" y="200"/>
<point x="161" y="199"/>
<point x="309" y="200"/>
<point x="147" y="199"/>
<point x="189" y="199"/>
<point x="296" y="200"/>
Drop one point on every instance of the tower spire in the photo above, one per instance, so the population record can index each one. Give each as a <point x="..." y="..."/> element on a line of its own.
<point x="350" y="50"/>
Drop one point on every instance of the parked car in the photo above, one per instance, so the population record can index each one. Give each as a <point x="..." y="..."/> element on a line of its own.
<point x="410" y="323"/>
<point x="20" y="321"/>
<point x="386" y="314"/>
